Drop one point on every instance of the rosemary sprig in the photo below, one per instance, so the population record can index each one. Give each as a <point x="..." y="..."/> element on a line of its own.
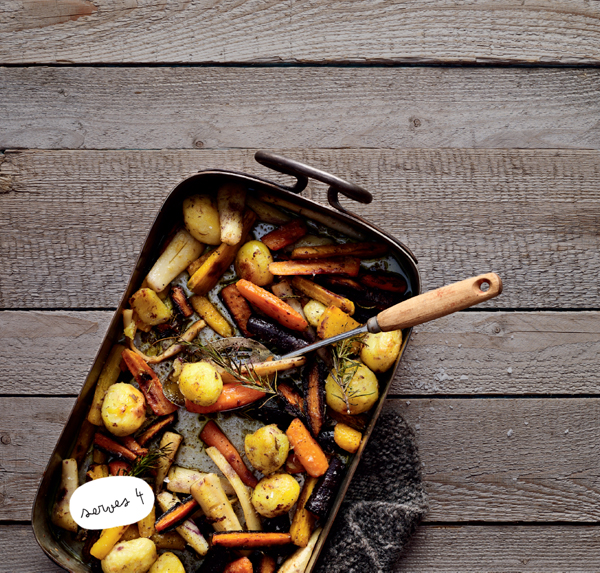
<point x="242" y="370"/>
<point x="345" y="367"/>
<point x="144" y="464"/>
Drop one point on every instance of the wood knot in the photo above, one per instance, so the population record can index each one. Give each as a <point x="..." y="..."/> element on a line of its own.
<point x="5" y="439"/>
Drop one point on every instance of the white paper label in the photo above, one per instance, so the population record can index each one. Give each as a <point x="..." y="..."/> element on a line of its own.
<point x="111" y="501"/>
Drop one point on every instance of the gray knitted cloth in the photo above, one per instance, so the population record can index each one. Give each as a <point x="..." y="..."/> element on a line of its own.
<point x="383" y="506"/>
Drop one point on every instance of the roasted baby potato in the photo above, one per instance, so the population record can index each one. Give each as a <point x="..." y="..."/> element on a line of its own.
<point x="267" y="449"/>
<point x="252" y="263"/>
<point x="148" y="306"/>
<point x="381" y="350"/>
<point x="314" y="310"/>
<point x="135" y="556"/>
<point x="275" y="495"/>
<point x="201" y="219"/>
<point x="362" y="392"/>
<point x="200" y="383"/>
<point x="123" y="409"/>
<point x="167" y="563"/>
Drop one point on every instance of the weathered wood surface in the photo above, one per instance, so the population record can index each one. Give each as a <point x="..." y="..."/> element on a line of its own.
<point x="81" y="31"/>
<point x="324" y="107"/>
<point x="76" y="220"/>
<point x="484" y="460"/>
<point x="467" y="353"/>
<point x="494" y="549"/>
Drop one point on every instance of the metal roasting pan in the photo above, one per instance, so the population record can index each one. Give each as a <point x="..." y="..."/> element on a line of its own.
<point x="45" y="532"/>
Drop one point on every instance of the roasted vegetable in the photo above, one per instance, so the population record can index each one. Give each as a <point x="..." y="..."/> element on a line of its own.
<point x="232" y="396"/>
<point x="97" y="471"/>
<point x="379" y="351"/>
<point x="181" y="479"/>
<point x="271" y="305"/>
<point x="304" y="521"/>
<point x="293" y="465"/>
<point x="180" y="252"/>
<point x="238" y="307"/>
<point x="208" y="311"/>
<point x="313" y="310"/>
<point x="307" y="449"/>
<point x="267" y="449"/>
<point x="168" y="540"/>
<point x="181" y="302"/>
<point x="119" y="468"/>
<point x="292" y="400"/>
<point x="133" y="446"/>
<point x="357" y="421"/>
<point x="252" y="263"/>
<point x="108" y="539"/>
<point x="335" y="321"/>
<point x="349" y="266"/>
<point x="241" y="565"/>
<point x="231" y="199"/>
<point x="200" y="383"/>
<point x="212" y="435"/>
<point x="155" y="428"/>
<point x="176" y="515"/>
<point x="249" y="539"/>
<point x="167" y="563"/>
<point x="272" y="333"/>
<point x="279" y="524"/>
<point x="267" y="564"/>
<point x="363" y="250"/>
<point x="207" y="491"/>
<point x="169" y="444"/>
<point x="275" y="495"/>
<point x="323" y="495"/>
<point x="201" y="219"/>
<point x="123" y="409"/>
<point x="285" y="235"/>
<point x="149" y="384"/>
<point x="347" y="438"/>
<point x="387" y="282"/>
<point x="298" y="561"/>
<point x="265" y="212"/>
<point x="84" y="439"/>
<point x="188" y="529"/>
<point x="284" y="291"/>
<point x="314" y="397"/>
<point x="360" y="394"/>
<point x="108" y="376"/>
<point x="132" y="532"/>
<point x="241" y="490"/>
<point x="110" y="446"/>
<point x="135" y="556"/>
<point x="145" y="526"/>
<point x="317" y="292"/>
<point x="149" y="307"/>
<point x="69" y="482"/>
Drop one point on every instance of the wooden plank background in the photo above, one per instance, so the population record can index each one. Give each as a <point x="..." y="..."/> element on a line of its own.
<point x="476" y="168"/>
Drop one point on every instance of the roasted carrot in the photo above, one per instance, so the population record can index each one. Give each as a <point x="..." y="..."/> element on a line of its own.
<point x="349" y="266"/>
<point x="323" y="295"/>
<point x="149" y="384"/>
<point x="285" y="235"/>
<point x="132" y="445"/>
<point x="249" y="539"/>
<point x="267" y="564"/>
<point x="292" y="399"/>
<point x="362" y="250"/>
<point x="176" y="515"/>
<point x="155" y="429"/>
<point x="241" y="565"/>
<point x="314" y="398"/>
<point x="105" y="443"/>
<point x="390" y="283"/>
<point x="307" y="449"/>
<point x="195" y="265"/>
<point x="181" y="302"/>
<point x="358" y="421"/>
<point x="212" y="435"/>
<point x="232" y="396"/>
<point x="303" y="523"/>
<point x="118" y="468"/>
<point x="238" y="307"/>
<point x="271" y="305"/>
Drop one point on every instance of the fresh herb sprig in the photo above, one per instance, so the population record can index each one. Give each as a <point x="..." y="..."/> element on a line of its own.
<point x="345" y="367"/>
<point x="144" y="464"/>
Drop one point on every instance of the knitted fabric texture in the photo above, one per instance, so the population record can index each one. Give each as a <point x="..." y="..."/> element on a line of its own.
<point x="383" y="506"/>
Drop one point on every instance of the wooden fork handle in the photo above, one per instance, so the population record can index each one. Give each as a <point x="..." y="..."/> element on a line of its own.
<point x="439" y="302"/>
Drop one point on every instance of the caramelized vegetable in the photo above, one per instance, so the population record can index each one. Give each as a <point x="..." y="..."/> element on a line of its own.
<point x="286" y="235"/>
<point x="249" y="539"/>
<point x="208" y="492"/>
<point x="363" y="250"/>
<point x="387" y="282"/>
<point x="97" y="471"/>
<point x="212" y="435"/>
<point x="181" y="302"/>
<point x="232" y="396"/>
<point x="108" y="539"/>
<point x="145" y="526"/>
<point x="146" y="304"/>
<point x="344" y="266"/>
<point x="314" y="398"/>
<point x="208" y="311"/>
<point x="317" y="292"/>
<point x="169" y="444"/>
<point x="231" y="199"/>
<point x="267" y="564"/>
<point x="176" y="515"/>
<point x="272" y="333"/>
<point x="241" y="565"/>
<point x="168" y="540"/>
<point x="132" y="445"/>
<point x="298" y="561"/>
<point x="304" y="521"/>
<point x="237" y="306"/>
<point x="155" y="429"/>
<point x="347" y="438"/>
<point x="69" y="482"/>
<point x="335" y="321"/>
<point x="292" y="399"/>
<point x="307" y="449"/>
<point x="323" y="495"/>
<point x="265" y="212"/>
<point x="119" y="468"/>
<point x="110" y="446"/>
<point x="108" y="376"/>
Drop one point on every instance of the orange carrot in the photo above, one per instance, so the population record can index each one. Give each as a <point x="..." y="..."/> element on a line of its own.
<point x="155" y="428"/>
<point x="389" y="283"/>
<point x="249" y="539"/>
<point x="238" y="307"/>
<point x="132" y="445"/>
<point x="285" y="235"/>
<point x="149" y="384"/>
<point x="118" y="468"/>
<point x="212" y="435"/>
<point x="267" y="564"/>
<point x="242" y="565"/>
<point x="271" y="305"/>
<point x="363" y="250"/>
<point x="105" y="443"/>
<point x="344" y="266"/>
<point x="307" y="449"/>
<point x="232" y="396"/>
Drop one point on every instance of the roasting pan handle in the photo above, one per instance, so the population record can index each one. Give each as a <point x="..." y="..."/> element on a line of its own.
<point x="302" y="172"/>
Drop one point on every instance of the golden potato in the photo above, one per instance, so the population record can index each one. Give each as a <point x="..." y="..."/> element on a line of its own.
<point x="201" y="219"/>
<point x="149" y="307"/>
<point x="123" y="409"/>
<point x="347" y="438"/>
<point x="275" y="495"/>
<point x="362" y="393"/>
<point x="313" y="310"/>
<point x="200" y="383"/>
<point x="381" y="350"/>
<point x="252" y="263"/>
<point x="267" y="449"/>
<point x="167" y="563"/>
<point x="135" y="556"/>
